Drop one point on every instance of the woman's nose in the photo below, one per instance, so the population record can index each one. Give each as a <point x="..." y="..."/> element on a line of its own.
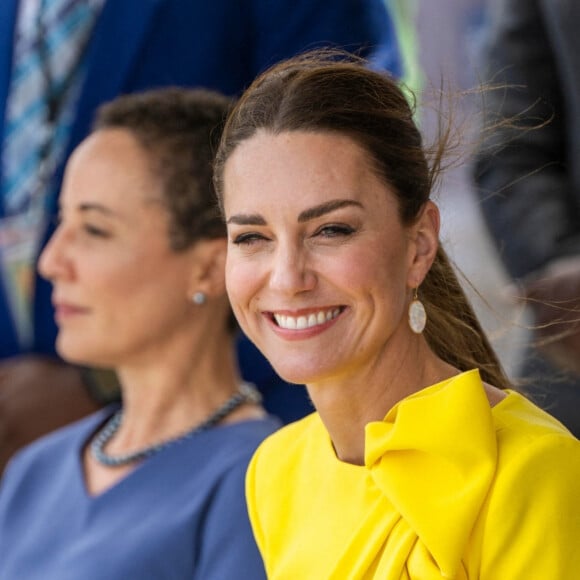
<point x="52" y="262"/>
<point x="291" y="272"/>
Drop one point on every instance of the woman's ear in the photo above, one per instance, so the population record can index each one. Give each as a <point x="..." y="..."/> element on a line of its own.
<point x="208" y="268"/>
<point x="424" y="241"/>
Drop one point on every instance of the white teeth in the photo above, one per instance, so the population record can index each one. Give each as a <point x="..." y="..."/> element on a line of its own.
<point x="302" y="322"/>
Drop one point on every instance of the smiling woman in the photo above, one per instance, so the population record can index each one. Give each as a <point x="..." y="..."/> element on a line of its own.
<point x="317" y="253"/>
<point x="420" y="462"/>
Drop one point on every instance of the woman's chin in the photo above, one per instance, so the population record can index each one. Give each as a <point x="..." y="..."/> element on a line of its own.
<point x="78" y="354"/>
<point x="298" y="374"/>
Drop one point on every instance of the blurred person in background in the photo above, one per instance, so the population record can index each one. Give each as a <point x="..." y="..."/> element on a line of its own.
<point x="59" y="60"/>
<point x="153" y="488"/>
<point x="528" y="182"/>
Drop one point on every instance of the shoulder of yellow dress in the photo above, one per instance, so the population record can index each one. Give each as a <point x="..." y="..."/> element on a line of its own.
<point x="518" y="413"/>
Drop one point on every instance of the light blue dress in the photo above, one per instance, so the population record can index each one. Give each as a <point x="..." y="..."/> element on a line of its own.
<point x="180" y="514"/>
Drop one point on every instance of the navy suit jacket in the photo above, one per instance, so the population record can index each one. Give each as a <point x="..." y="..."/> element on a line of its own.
<point x="221" y="45"/>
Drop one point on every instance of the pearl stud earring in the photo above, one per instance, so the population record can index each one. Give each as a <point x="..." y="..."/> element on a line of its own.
<point x="199" y="298"/>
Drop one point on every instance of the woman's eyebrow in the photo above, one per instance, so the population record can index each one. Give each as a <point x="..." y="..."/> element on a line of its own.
<point x="327" y="207"/>
<point x="244" y="219"/>
<point x="255" y="219"/>
<point x="96" y="207"/>
<point x="88" y="207"/>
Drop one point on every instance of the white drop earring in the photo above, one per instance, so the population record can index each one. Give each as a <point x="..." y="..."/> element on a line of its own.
<point x="199" y="298"/>
<point x="417" y="315"/>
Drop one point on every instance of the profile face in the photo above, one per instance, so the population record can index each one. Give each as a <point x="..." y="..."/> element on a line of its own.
<point x="119" y="290"/>
<point x="319" y="264"/>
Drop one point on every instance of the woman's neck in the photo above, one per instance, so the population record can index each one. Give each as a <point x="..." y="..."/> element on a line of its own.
<point x="165" y="398"/>
<point x="347" y="404"/>
<point x="173" y="393"/>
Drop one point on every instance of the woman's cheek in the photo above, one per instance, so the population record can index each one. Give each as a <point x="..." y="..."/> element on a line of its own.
<point x="240" y="282"/>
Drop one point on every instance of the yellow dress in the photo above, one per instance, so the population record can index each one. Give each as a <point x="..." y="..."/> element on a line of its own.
<point x="451" y="488"/>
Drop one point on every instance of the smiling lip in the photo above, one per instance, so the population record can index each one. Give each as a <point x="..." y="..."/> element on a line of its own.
<point x="304" y="323"/>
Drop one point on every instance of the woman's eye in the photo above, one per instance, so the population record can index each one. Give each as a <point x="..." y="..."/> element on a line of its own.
<point x="247" y="239"/>
<point x="334" y="231"/>
<point x="96" y="231"/>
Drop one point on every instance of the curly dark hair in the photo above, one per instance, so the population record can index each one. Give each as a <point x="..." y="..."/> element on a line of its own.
<point x="179" y="129"/>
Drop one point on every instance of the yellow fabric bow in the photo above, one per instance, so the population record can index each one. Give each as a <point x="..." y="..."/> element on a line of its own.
<point x="420" y="436"/>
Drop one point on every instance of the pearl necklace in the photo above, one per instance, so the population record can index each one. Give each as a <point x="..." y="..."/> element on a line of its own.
<point x="246" y="393"/>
